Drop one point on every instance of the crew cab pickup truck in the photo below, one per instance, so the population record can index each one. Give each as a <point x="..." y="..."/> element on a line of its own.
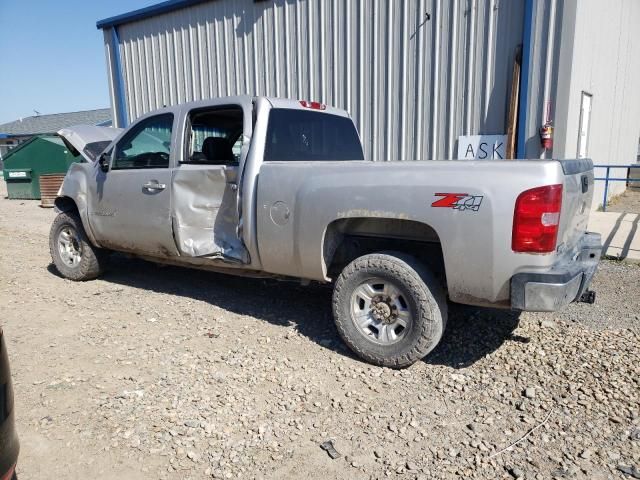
<point x="280" y="188"/>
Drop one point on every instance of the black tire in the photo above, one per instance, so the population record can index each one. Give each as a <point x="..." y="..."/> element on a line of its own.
<point x="422" y="294"/>
<point x="92" y="260"/>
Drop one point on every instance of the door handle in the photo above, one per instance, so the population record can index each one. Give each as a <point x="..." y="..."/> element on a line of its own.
<point x="154" y="186"/>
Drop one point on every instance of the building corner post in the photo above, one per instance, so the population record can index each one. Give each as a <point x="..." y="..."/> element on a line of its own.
<point x="120" y="103"/>
<point x="527" y="46"/>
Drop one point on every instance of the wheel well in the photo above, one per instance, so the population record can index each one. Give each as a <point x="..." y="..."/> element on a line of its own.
<point x="350" y="238"/>
<point x="65" y="204"/>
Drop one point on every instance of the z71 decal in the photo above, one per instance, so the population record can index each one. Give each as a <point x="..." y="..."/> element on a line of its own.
<point x="458" y="201"/>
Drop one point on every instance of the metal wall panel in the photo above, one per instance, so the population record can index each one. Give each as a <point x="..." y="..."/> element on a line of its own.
<point x="604" y="65"/>
<point x="414" y="74"/>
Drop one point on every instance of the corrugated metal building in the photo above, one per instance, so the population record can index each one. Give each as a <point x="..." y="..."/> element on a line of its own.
<point x="414" y="74"/>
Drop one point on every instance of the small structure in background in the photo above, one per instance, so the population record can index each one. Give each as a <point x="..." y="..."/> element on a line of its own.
<point x="30" y="148"/>
<point x="15" y="133"/>
<point x="23" y="166"/>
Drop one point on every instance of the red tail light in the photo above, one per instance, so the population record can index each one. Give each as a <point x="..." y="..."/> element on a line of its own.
<point x="313" y="105"/>
<point x="536" y="219"/>
<point x="9" y="474"/>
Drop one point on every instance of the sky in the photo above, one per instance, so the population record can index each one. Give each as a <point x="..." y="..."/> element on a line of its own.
<point x="52" y="55"/>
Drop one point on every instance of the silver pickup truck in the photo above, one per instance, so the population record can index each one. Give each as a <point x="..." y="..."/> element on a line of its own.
<point x="280" y="188"/>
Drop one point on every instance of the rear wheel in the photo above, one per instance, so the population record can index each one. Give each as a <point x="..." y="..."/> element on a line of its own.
<point x="389" y="309"/>
<point x="71" y="251"/>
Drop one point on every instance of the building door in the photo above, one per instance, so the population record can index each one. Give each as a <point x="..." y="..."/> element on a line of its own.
<point x="583" y="127"/>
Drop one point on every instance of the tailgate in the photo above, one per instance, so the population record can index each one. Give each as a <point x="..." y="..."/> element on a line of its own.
<point x="577" y="194"/>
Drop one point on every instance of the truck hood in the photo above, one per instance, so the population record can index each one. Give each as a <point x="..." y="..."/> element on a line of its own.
<point x="88" y="140"/>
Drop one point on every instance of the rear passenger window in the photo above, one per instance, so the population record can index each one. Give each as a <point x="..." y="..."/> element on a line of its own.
<point x="299" y="135"/>
<point x="215" y="136"/>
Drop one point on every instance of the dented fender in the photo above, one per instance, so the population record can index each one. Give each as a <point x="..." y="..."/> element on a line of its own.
<point x="75" y="187"/>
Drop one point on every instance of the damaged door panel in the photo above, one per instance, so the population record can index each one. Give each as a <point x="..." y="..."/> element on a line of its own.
<point x="205" y="184"/>
<point x="205" y="216"/>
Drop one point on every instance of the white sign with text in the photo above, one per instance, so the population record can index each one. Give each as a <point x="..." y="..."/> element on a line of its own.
<point x="17" y="174"/>
<point x="482" y="147"/>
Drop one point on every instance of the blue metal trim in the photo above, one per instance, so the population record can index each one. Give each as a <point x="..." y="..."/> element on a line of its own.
<point x="527" y="44"/>
<point x="632" y="165"/>
<point x="118" y="87"/>
<point x="147" y="12"/>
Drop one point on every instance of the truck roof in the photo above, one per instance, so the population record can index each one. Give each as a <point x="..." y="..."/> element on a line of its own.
<point x="275" y="102"/>
<point x="305" y="105"/>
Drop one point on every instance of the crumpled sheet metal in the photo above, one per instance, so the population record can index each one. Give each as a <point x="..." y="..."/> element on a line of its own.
<point x="204" y="213"/>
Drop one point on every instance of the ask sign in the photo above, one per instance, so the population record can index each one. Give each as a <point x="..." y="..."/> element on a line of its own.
<point x="482" y="147"/>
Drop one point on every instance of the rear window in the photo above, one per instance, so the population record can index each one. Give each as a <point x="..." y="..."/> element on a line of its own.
<point x="300" y="135"/>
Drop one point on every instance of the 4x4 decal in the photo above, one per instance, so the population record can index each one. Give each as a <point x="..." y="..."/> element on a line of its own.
<point x="458" y="201"/>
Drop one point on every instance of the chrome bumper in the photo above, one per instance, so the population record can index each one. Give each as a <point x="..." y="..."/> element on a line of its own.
<point x="563" y="284"/>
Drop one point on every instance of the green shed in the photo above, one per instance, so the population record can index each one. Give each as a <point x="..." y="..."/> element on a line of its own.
<point x="43" y="154"/>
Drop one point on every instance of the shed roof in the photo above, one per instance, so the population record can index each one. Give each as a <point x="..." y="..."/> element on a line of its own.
<point x="41" y="124"/>
<point x="147" y="12"/>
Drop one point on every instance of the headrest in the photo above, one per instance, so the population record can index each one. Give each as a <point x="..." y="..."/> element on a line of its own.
<point x="217" y="149"/>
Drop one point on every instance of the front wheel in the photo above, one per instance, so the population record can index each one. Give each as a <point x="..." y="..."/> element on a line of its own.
<point x="71" y="251"/>
<point x="389" y="309"/>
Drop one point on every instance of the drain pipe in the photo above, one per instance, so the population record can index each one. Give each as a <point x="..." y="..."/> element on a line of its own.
<point x="527" y="46"/>
<point x="548" y="70"/>
<point x="118" y="80"/>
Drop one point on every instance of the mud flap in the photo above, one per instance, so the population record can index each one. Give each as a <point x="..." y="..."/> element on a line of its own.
<point x="205" y="214"/>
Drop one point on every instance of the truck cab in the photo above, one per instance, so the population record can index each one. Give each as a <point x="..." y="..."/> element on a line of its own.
<point x="181" y="181"/>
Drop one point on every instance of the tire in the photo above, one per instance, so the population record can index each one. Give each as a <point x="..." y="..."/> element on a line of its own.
<point x="401" y="291"/>
<point x="71" y="251"/>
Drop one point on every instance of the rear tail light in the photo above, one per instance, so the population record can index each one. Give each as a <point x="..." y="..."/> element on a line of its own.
<point x="9" y="474"/>
<point x="313" y="105"/>
<point x="536" y="219"/>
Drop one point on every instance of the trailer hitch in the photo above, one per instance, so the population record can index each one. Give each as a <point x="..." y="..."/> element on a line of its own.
<point x="588" y="297"/>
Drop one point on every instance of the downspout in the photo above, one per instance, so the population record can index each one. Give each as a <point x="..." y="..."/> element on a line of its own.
<point x="548" y="70"/>
<point x="527" y="46"/>
<point x="118" y="87"/>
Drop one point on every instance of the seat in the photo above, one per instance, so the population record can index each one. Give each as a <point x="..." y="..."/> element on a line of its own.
<point x="217" y="150"/>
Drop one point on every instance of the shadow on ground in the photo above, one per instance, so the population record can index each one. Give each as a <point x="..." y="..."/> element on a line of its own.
<point x="471" y="333"/>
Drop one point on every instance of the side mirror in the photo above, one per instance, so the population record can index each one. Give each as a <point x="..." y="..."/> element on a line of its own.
<point x="103" y="161"/>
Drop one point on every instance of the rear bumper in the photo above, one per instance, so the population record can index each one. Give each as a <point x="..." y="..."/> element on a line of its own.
<point x="563" y="284"/>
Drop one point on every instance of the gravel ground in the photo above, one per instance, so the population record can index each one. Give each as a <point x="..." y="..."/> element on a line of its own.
<point x="168" y="373"/>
